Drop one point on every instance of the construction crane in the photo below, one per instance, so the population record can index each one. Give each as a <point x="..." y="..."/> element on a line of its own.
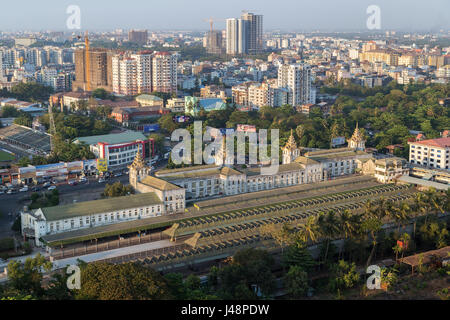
<point x="211" y="23"/>
<point x="87" y="62"/>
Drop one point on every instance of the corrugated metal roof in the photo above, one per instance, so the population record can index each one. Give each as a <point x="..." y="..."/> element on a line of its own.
<point x="114" y="138"/>
<point x="100" y="206"/>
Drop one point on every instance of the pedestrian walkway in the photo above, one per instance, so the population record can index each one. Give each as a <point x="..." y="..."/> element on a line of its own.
<point x="113" y="253"/>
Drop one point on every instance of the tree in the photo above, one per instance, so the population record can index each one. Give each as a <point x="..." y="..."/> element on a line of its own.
<point x="248" y="268"/>
<point x="26" y="277"/>
<point x="298" y="255"/>
<point x="328" y="229"/>
<point x="343" y="276"/>
<point x="309" y="231"/>
<point x="117" y="189"/>
<point x="105" y="281"/>
<point x="296" y="282"/>
<point x="159" y="142"/>
<point x="281" y="234"/>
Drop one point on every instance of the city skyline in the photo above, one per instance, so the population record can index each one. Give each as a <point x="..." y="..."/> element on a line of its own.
<point x="348" y="15"/>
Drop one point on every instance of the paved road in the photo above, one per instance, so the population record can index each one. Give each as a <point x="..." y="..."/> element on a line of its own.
<point x="12" y="204"/>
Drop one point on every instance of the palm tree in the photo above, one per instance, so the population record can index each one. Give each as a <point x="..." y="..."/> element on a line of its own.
<point x="401" y="213"/>
<point x="347" y="225"/>
<point x="418" y="207"/>
<point x="309" y="232"/>
<point x="327" y="224"/>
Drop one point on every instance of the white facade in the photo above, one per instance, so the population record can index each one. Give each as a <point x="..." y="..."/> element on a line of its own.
<point x="37" y="224"/>
<point x="164" y="72"/>
<point x="432" y="153"/>
<point x="297" y="79"/>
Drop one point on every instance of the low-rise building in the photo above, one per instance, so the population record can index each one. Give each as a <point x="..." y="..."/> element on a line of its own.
<point x="431" y="153"/>
<point x="119" y="149"/>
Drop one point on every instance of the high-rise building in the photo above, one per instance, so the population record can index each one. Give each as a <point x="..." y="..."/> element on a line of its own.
<point x="232" y="36"/>
<point x="1" y="66"/>
<point x="124" y="75"/>
<point x="297" y="79"/>
<point x="214" y="42"/>
<point x="164" y="72"/>
<point x="100" y="70"/>
<point x="245" y="35"/>
<point x="255" y="32"/>
<point x="132" y="74"/>
<point x="143" y="71"/>
<point x="138" y="36"/>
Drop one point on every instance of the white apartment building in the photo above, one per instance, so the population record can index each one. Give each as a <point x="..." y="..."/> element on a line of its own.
<point x="431" y="153"/>
<point x="297" y="79"/>
<point x="164" y="72"/>
<point x="232" y="29"/>
<point x="132" y="74"/>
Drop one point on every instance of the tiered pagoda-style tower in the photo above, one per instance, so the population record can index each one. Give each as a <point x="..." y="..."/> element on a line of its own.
<point x="290" y="150"/>
<point x="357" y="141"/>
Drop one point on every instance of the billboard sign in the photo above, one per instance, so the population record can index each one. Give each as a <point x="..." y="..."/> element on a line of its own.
<point x="181" y="119"/>
<point x="102" y="165"/>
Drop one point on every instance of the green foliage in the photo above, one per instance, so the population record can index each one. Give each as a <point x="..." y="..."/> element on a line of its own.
<point x="76" y="125"/>
<point x="101" y="93"/>
<point x="104" y="281"/>
<point x="42" y="200"/>
<point x="433" y="233"/>
<point x="298" y="255"/>
<point x="117" y="189"/>
<point x="16" y="225"/>
<point x="26" y="277"/>
<point x="296" y="282"/>
<point x="10" y="112"/>
<point x="343" y="276"/>
<point x="248" y="267"/>
<point x="389" y="276"/>
<point x="24" y="119"/>
<point x="159" y="142"/>
<point x="6" y="244"/>
<point x="31" y="92"/>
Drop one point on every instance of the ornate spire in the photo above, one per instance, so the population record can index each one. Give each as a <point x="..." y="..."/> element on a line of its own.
<point x="138" y="162"/>
<point x="291" y="144"/>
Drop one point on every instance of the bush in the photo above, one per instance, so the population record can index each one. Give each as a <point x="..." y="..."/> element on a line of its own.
<point x="6" y="244"/>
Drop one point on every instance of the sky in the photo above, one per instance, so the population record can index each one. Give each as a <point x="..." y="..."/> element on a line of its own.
<point x="286" y="15"/>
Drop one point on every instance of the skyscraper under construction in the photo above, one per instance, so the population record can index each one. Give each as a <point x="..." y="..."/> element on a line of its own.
<point x="94" y="73"/>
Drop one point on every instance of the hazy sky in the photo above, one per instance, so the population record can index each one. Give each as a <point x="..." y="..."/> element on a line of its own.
<point x="189" y="14"/>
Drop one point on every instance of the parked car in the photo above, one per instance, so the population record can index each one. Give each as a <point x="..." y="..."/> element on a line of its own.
<point x="51" y="188"/>
<point x="36" y="189"/>
<point x="11" y="191"/>
<point x="101" y="180"/>
<point x="47" y="184"/>
<point x="72" y="183"/>
<point x="24" y="189"/>
<point x="2" y="192"/>
<point x="118" y="174"/>
<point x="166" y="155"/>
<point x="83" y="179"/>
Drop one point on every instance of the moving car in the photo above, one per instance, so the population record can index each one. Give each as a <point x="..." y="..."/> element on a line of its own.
<point x="101" y="180"/>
